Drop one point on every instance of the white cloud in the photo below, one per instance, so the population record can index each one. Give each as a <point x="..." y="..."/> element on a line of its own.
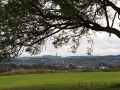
<point x="105" y="45"/>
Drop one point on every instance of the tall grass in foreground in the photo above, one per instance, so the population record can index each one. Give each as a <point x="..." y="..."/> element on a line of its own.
<point x="62" y="81"/>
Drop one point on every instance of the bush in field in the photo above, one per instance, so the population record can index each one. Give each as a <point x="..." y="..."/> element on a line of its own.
<point x="110" y="70"/>
<point x="22" y="72"/>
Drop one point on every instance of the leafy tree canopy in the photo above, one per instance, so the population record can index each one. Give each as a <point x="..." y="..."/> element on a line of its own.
<point x="30" y="23"/>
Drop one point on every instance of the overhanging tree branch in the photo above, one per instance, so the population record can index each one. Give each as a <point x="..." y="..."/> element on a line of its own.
<point x="31" y="22"/>
<point x="117" y="9"/>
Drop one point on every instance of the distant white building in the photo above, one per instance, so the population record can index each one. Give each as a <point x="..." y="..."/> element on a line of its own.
<point x="102" y="67"/>
<point x="67" y="66"/>
<point x="81" y="66"/>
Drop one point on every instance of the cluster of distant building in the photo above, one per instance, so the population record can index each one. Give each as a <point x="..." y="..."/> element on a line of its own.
<point x="80" y="61"/>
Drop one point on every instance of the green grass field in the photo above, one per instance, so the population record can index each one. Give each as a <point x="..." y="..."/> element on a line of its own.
<point x="62" y="81"/>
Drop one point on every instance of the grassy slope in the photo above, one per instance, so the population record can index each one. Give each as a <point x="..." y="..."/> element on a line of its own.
<point x="58" y="79"/>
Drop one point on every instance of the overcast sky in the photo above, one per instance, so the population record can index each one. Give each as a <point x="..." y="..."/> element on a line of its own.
<point x="103" y="45"/>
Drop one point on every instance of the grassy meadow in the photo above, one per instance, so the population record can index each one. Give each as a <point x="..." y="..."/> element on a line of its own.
<point x="62" y="81"/>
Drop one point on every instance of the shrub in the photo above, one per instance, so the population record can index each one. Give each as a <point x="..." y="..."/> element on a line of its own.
<point x="22" y="72"/>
